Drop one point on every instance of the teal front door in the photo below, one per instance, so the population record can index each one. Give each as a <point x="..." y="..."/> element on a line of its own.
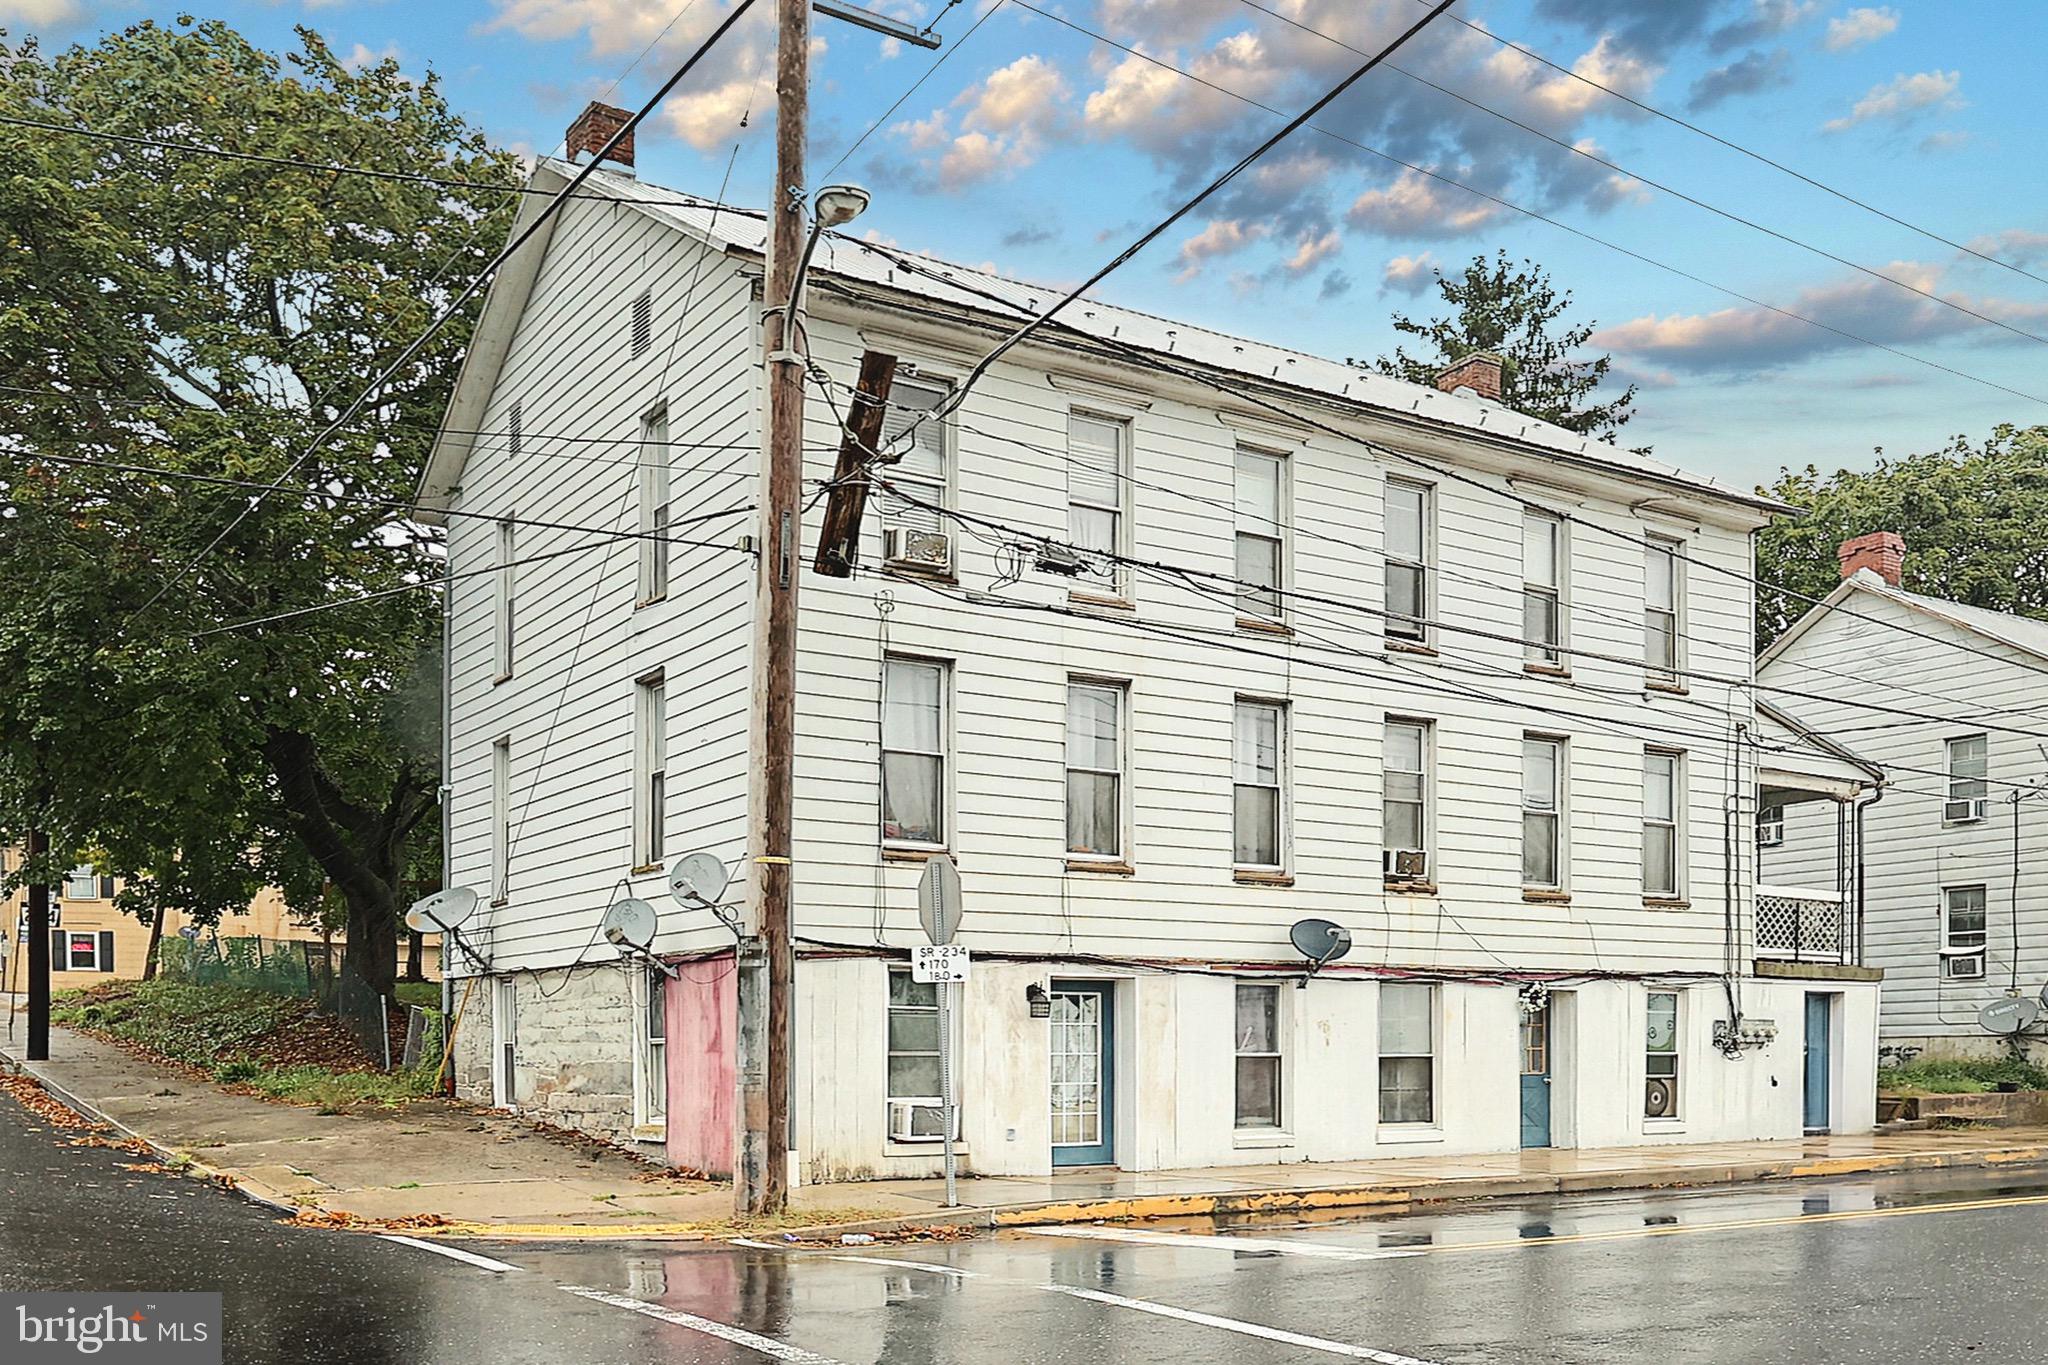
<point x="1083" y="1074"/>
<point x="1536" y="1078"/>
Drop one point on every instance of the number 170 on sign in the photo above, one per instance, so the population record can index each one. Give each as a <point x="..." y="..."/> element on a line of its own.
<point x="931" y="962"/>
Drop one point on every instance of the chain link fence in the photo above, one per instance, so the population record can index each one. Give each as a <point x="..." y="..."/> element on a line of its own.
<point x="306" y="970"/>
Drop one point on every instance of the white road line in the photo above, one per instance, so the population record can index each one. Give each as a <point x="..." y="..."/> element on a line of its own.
<point x="758" y="1246"/>
<point x="1321" y="1250"/>
<point x="724" y="1331"/>
<point x="955" y="1271"/>
<point x="1250" y="1329"/>
<point x="455" y="1253"/>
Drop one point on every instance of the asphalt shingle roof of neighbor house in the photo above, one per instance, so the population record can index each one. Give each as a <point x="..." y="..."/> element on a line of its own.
<point x="744" y="230"/>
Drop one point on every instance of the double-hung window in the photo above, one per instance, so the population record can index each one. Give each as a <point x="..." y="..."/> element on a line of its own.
<point x="656" y="490"/>
<point x="1663" y="805"/>
<point x="1968" y="773"/>
<point x="650" y="770"/>
<point x="1663" y="608"/>
<point x="1962" y="933"/>
<point x="654" y="1052"/>
<point x="914" y="752"/>
<point x="501" y="819"/>
<point x="1404" y="803"/>
<point x="916" y="482"/>
<point x="1261" y="534"/>
<point x="1258" y="1055"/>
<point x="1408" y="551"/>
<point x="1258" y="775"/>
<point x="508" y="556"/>
<point x="1543" y="576"/>
<point x="1543" y="773"/>
<point x="913" y="1039"/>
<point x="1660" y="1057"/>
<point x="1095" y="771"/>
<point x="81" y="883"/>
<point x="1407" y="1052"/>
<point x="1096" y="452"/>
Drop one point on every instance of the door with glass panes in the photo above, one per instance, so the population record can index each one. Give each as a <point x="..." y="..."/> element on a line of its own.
<point x="1083" y="1074"/>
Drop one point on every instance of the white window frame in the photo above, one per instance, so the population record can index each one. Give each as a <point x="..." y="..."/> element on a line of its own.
<point x="892" y="1007"/>
<point x="1401" y="631"/>
<point x="1675" y="1055"/>
<point x="921" y="484"/>
<point x="1425" y="777"/>
<point x="505" y="1041"/>
<point x="1113" y="577"/>
<point x="1770" y="826"/>
<point x="650" y="1049"/>
<point x="503" y="613"/>
<point x="100" y="963"/>
<point x="1434" y="1004"/>
<point x="1277" y="1055"/>
<point x="82" y="875"/>
<point x="650" y="771"/>
<point x="1653" y="758"/>
<point x="1661" y="673"/>
<point x="1969" y="793"/>
<point x="1537" y="651"/>
<point x="1962" y="960"/>
<point x="1120" y="692"/>
<point x="1557" y="810"/>
<point x="943" y="795"/>
<point x="1239" y="783"/>
<point x="1267" y="526"/>
<point x="501" y="819"/>
<point x="657" y="504"/>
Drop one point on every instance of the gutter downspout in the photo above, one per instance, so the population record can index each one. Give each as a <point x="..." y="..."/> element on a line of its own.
<point x="445" y="1083"/>
<point x="1856" y="843"/>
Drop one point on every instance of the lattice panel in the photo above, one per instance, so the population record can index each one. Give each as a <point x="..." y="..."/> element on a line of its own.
<point x="1806" y="928"/>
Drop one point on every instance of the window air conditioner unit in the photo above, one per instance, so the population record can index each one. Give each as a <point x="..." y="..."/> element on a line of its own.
<point x="1770" y="833"/>
<point x="905" y="547"/>
<point x="1963" y="966"/>
<point x="920" y="1120"/>
<point x="1407" y="864"/>
<point x="1963" y="812"/>
<point x="1660" y="1098"/>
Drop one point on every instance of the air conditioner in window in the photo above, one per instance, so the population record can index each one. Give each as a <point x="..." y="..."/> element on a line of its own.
<point x="1660" y="1098"/>
<point x="1407" y="864"/>
<point x="905" y="547"/>
<point x="1962" y="966"/>
<point x="1770" y="833"/>
<point x="919" y="1120"/>
<point x="1963" y="812"/>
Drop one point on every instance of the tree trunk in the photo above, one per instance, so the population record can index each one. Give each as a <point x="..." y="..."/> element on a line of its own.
<point x="156" y="943"/>
<point x="372" y="954"/>
<point x="414" y="950"/>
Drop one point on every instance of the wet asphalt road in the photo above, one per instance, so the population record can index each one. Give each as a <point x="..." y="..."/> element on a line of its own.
<point x="1911" y="1269"/>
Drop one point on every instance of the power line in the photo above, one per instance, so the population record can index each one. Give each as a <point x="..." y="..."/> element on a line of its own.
<point x="1588" y="153"/>
<point x="476" y="282"/>
<point x="1738" y="148"/>
<point x="915" y="85"/>
<point x="1559" y="224"/>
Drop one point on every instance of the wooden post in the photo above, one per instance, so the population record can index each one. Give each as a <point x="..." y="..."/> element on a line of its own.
<point x="839" y="540"/>
<point x="761" y="1158"/>
<point x="38" y="947"/>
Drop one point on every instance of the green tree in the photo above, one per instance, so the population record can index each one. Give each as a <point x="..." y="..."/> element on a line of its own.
<point x="1515" y="312"/>
<point x="1974" y="518"/>
<point x="168" y="309"/>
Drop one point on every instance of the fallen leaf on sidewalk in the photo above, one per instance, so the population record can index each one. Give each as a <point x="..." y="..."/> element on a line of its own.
<point x="895" y="1236"/>
<point x="341" y="1220"/>
<point x="135" y="1145"/>
<point x="29" y="1093"/>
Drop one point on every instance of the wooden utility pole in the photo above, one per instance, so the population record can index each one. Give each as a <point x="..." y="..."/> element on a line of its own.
<point x="767" y="967"/>
<point x="38" y="949"/>
<point x="839" y="541"/>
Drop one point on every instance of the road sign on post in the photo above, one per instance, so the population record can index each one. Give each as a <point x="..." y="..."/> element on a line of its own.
<point x="938" y="910"/>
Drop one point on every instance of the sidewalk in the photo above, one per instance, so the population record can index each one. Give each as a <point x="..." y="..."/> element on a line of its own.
<point x="492" y="1175"/>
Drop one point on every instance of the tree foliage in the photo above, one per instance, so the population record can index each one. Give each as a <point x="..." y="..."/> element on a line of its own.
<point x="1515" y="312"/>
<point x="169" y="310"/>
<point x="1974" y="519"/>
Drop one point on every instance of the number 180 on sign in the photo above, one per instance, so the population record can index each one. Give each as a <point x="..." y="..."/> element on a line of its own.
<point x="938" y="962"/>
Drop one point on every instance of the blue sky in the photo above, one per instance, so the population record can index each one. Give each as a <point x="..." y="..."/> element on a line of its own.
<point x="1041" y="150"/>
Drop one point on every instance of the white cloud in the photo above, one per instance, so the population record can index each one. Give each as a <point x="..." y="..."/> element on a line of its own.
<point x="1860" y="26"/>
<point x="1224" y="237"/>
<point x="2018" y="245"/>
<point x="1019" y="96"/>
<point x="1003" y="123"/>
<point x="1417" y="206"/>
<point x="1899" y="98"/>
<point x="361" y="57"/>
<point x="50" y="12"/>
<point x="1311" y="249"/>
<point x="1604" y="64"/>
<point x="1409" y="275"/>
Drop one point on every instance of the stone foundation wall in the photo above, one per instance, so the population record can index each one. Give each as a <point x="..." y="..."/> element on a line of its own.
<point x="573" y="1048"/>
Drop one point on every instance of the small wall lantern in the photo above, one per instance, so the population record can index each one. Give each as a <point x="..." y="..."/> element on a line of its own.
<point x="1041" y="1003"/>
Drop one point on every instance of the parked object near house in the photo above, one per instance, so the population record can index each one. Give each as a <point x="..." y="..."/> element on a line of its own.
<point x="1483" y="737"/>
<point x="1956" y="913"/>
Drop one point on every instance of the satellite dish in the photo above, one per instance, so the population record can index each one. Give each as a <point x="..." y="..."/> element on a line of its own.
<point x="699" y="879"/>
<point x="446" y="909"/>
<point x="1320" y="940"/>
<point x="2008" y="1016"/>
<point x="629" y="923"/>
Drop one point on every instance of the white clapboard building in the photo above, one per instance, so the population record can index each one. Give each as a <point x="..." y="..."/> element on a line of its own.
<point x="1956" y="868"/>
<point x="1170" y="640"/>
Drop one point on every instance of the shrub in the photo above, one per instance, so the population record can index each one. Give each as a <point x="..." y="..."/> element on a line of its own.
<point x="1954" y="1076"/>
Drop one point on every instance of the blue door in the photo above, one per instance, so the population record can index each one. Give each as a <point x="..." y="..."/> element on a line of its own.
<point x="1083" y="1074"/>
<point x="1536" y="1078"/>
<point x="1819" y="1012"/>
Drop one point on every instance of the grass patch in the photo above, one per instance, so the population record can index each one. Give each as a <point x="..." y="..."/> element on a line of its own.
<point x="274" y="1045"/>
<point x="426" y="993"/>
<point x="1947" y="1076"/>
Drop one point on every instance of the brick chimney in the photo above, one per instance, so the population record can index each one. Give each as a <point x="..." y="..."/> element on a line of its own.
<point x="1479" y="372"/>
<point x="1882" y="552"/>
<point x="594" y="127"/>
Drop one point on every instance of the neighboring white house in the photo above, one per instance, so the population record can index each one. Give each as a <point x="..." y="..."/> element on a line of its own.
<point x="1956" y="911"/>
<point x="1457" y="680"/>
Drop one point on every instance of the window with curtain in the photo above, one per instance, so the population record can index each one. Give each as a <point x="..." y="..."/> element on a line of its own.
<point x="1258" y="1055"/>
<point x="1407" y="1052"/>
<point x="1258" y="773"/>
<point x="922" y="475"/>
<point x="1261" y="533"/>
<point x="914" y="752"/>
<point x="1404" y="806"/>
<point x="1095" y="770"/>
<point x="1542" y="807"/>
<point x="1661" y="810"/>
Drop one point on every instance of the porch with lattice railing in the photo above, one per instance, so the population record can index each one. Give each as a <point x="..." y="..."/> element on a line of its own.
<point x="1799" y="924"/>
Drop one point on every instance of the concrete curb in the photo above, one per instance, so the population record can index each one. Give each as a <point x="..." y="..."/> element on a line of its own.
<point x="180" y="1161"/>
